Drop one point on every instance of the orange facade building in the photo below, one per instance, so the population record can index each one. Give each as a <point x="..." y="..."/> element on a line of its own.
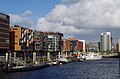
<point x="21" y="38"/>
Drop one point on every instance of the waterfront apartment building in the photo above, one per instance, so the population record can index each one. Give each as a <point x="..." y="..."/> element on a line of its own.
<point x="54" y="41"/>
<point x="80" y="46"/>
<point x="69" y="45"/>
<point x="40" y="41"/>
<point x="84" y="45"/>
<point x="21" y="39"/>
<point x="4" y="32"/>
<point x="105" y="41"/>
<point x="72" y="45"/>
<point x="66" y="45"/>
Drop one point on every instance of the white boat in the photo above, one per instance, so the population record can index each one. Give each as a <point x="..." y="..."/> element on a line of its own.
<point x="62" y="60"/>
<point x="93" y="56"/>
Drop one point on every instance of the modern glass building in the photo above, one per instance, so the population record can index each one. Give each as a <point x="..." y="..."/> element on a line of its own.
<point x="105" y="41"/>
<point x="4" y="33"/>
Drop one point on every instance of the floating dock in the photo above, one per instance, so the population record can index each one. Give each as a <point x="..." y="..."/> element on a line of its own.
<point x="26" y="68"/>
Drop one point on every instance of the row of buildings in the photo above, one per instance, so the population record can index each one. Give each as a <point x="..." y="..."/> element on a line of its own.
<point x="19" y="39"/>
<point x="105" y="44"/>
<point x="24" y="39"/>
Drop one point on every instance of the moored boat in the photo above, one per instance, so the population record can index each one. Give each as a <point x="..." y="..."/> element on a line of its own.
<point x="62" y="60"/>
<point x="93" y="56"/>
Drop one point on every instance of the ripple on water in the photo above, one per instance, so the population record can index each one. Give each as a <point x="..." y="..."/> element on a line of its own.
<point x="107" y="68"/>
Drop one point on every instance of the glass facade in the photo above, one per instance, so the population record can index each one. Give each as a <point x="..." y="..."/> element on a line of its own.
<point x="105" y="43"/>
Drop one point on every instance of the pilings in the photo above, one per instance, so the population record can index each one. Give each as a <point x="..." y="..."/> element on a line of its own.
<point x="66" y="54"/>
<point x="8" y="60"/>
<point x="58" y="55"/>
<point x="34" y="58"/>
<point x="6" y="57"/>
<point x="48" y="56"/>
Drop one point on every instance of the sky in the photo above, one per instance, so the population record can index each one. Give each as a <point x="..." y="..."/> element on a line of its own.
<point x="82" y="19"/>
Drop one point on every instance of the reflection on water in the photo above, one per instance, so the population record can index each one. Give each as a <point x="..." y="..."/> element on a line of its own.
<point x="107" y="68"/>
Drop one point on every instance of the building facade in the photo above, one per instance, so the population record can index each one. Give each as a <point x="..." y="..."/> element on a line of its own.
<point x="54" y="41"/>
<point x="22" y="39"/>
<point x="66" y="45"/>
<point x="40" y="41"/>
<point x="4" y="32"/>
<point x="80" y="46"/>
<point x="84" y="45"/>
<point x="105" y="41"/>
<point x="93" y="47"/>
<point x="72" y="45"/>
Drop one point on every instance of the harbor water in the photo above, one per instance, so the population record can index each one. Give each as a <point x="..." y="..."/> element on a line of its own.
<point x="106" y="68"/>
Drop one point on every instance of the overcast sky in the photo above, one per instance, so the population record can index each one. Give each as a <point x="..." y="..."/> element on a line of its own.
<point x="83" y="19"/>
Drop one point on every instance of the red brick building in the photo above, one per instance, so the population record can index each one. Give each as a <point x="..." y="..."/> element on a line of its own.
<point x="72" y="44"/>
<point x="80" y="46"/>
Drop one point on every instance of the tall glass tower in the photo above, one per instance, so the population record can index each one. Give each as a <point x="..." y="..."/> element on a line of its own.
<point x="105" y="41"/>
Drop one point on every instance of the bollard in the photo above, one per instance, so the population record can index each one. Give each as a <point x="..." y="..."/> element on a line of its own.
<point x="34" y="57"/>
<point x="48" y="56"/>
<point x="78" y="55"/>
<point x="58" y="55"/>
<point x="6" y="57"/>
<point x="66" y="54"/>
<point x="10" y="59"/>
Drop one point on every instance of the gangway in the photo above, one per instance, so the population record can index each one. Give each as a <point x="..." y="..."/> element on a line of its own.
<point x="13" y="60"/>
<point x="18" y="60"/>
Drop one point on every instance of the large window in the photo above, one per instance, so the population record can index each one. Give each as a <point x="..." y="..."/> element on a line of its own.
<point x="3" y="40"/>
<point x="4" y="31"/>
<point x="4" y="35"/>
<point x="4" y="21"/>
<point x="4" y="26"/>
<point x="37" y="44"/>
<point x="4" y="45"/>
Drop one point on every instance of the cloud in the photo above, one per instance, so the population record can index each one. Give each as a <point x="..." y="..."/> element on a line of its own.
<point x="81" y="16"/>
<point x="27" y="13"/>
<point x="21" y="20"/>
<point x="70" y="1"/>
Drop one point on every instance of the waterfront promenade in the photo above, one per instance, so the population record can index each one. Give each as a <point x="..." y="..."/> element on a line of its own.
<point x="106" y="68"/>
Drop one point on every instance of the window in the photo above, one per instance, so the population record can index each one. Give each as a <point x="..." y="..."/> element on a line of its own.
<point x="7" y="40"/>
<point x="37" y="44"/>
<point x="4" y="26"/>
<point x="4" y="31"/>
<point x="3" y="40"/>
<point x="4" y="21"/>
<point x="4" y="35"/>
<point x="4" y="45"/>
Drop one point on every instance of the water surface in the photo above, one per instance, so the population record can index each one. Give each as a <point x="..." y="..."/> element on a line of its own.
<point x="107" y="68"/>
